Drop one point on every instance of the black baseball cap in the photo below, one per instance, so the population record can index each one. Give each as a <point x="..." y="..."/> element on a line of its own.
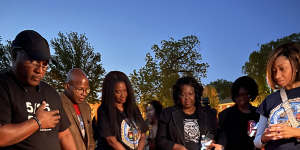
<point x="35" y="46"/>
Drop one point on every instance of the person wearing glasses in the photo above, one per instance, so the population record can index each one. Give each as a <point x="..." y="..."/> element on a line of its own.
<point x="77" y="109"/>
<point x="187" y="126"/>
<point x="31" y="113"/>
<point x="120" y="125"/>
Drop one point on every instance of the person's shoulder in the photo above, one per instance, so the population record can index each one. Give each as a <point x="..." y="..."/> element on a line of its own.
<point x="48" y="91"/>
<point x="294" y="93"/>
<point x="271" y="98"/>
<point x="169" y="109"/>
<point x="86" y="105"/>
<point x="64" y="99"/>
<point x="46" y="87"/>
<point x="228" y="110"/>
<point x="274" y="95"/>
<point x="167" y="112"/>
<point x="253" y="108"/>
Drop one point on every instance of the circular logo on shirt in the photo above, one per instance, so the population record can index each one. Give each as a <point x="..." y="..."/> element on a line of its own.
<point x="130" y="136"/>
<point x="279" y="116"/>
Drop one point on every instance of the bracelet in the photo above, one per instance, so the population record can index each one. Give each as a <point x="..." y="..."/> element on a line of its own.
<point x="38" y="122"/>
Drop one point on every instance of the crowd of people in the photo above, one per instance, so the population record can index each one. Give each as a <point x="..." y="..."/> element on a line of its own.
<point x="33" y="116"/>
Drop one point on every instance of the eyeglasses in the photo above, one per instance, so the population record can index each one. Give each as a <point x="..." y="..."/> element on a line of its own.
<point x="35" y="63"/>
<point x="82" y="90"/>
<point x="38" y="64"/>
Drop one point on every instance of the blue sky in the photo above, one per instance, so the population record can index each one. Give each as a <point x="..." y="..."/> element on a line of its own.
<point x="123" y="31"/>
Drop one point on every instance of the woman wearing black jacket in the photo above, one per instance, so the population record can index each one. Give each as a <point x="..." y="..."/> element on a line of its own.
<point x="181" y="127"/>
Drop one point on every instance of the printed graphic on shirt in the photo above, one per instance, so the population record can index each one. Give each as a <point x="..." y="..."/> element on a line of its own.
<point x="32" y="107"/>
<point x="278" y="114"/>
<point x="191" y="130"/>
<point x="130" y="135"/>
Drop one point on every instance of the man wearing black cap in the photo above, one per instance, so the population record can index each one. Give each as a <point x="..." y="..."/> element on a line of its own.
<point x="31" y="113"/>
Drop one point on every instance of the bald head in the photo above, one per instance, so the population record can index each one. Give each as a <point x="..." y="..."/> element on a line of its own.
<point x="75" y="74"/>
<point x="77" y="85"/>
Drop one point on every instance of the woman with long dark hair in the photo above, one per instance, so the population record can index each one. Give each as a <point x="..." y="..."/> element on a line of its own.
<point x="120" y="125"/>
<point x="278" y="125"/>
<point x="181" y="127"/>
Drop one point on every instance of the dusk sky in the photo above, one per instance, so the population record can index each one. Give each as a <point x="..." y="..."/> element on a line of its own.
<point x="123" y="31"/>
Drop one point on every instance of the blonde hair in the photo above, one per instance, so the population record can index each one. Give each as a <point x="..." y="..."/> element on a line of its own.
<point x="292" y="52"/>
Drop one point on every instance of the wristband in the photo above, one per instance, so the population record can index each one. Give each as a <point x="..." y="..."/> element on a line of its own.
<point x="38" y="122"/>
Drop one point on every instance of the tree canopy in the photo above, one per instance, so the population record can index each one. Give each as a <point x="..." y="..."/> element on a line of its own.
<point x="212" y="94"/>
<point x="5" y="55"/>
<point x="170" y="60"/>
<point x="223" y="88"/>
<point x="72" y="50"/>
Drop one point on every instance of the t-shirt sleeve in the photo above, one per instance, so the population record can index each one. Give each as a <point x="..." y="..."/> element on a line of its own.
<point x="64" y="121"/>
<point x="141" y="121"/>
<point x="263" y="108"/>
<point x="5" y="105"/>
<point x="104" y="130"/>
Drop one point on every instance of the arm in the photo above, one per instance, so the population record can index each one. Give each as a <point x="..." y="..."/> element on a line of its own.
<point x="15" y="133"/>
<point x="114" y="143"/>
<point x="142" y="142"/>
<point x="66" y="140"/>
<point x="262" y="125"/>
<point x="178" y="147"/>
<point x="162" y="137"/>
<point x="104" y="130"/>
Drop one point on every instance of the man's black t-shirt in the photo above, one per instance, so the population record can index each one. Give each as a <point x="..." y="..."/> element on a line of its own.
<point x="129" y="130"/>
<point x="18" y="103"/>
<point x="233" y="126"/>
<point x="271" y="106"/>
<point x="191" y="131"/>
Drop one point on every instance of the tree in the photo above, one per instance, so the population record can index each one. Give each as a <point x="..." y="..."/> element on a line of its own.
<point x="72" y="50"/>
<point x="172" y="59"/>
<point x="223" y="88"/>
<point x="211" y="93"/>
<point x="5" y="55"/>
<point x="255" y="67"/>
